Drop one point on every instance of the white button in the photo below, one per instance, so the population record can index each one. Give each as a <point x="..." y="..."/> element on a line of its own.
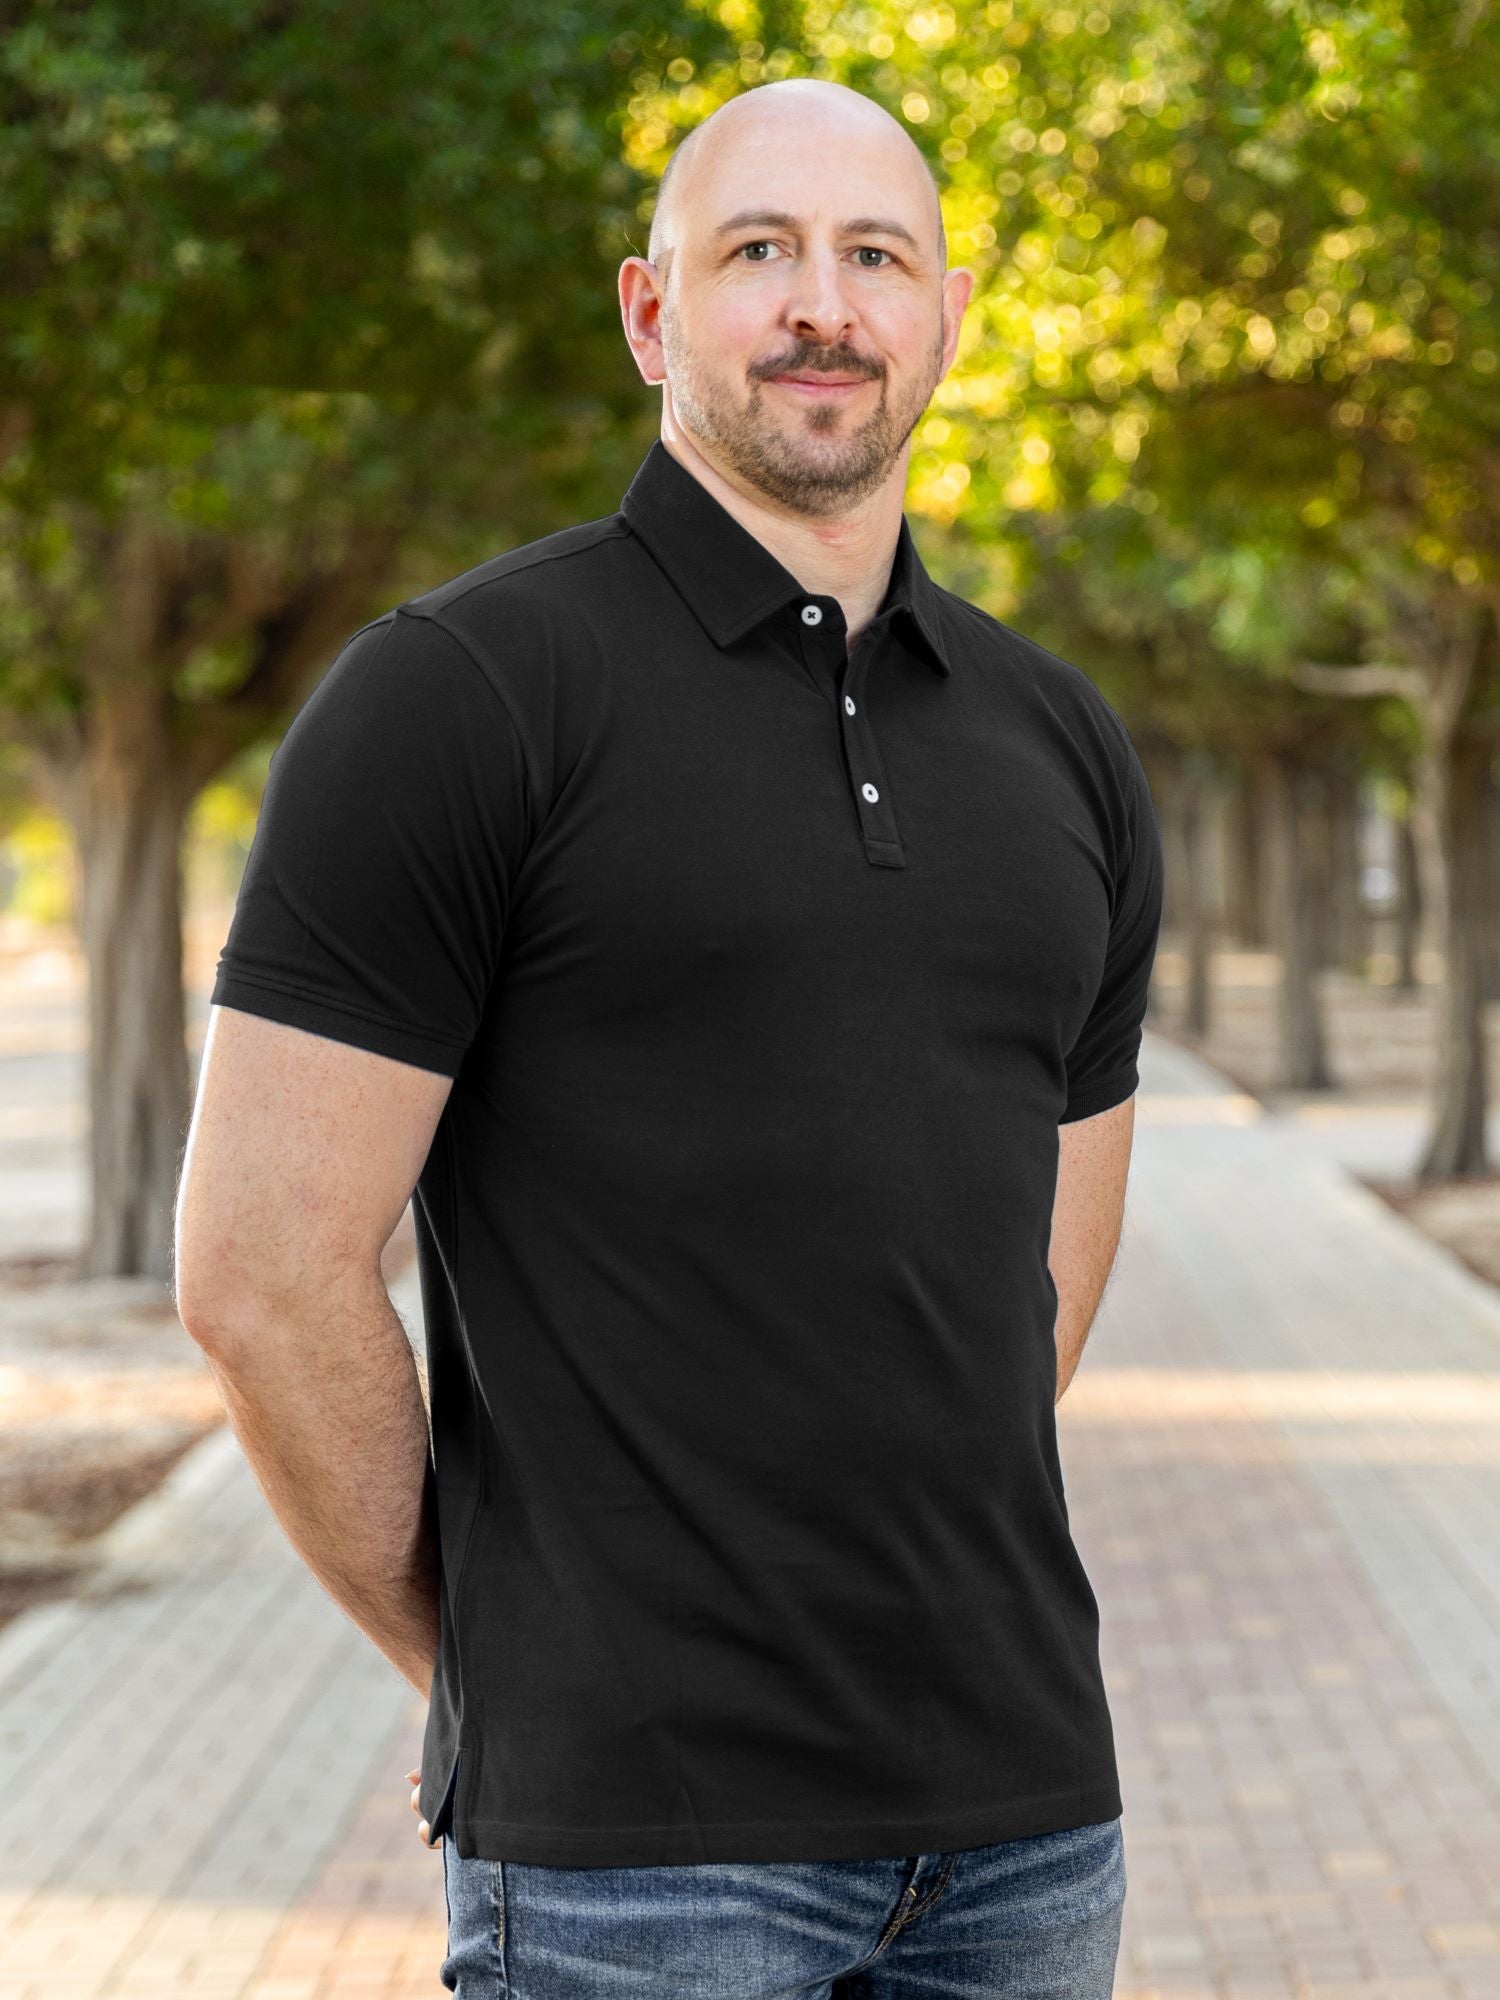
<point x="849" y="703"/>
<point x="870" y="793"/>
<point x="811" y="615"/>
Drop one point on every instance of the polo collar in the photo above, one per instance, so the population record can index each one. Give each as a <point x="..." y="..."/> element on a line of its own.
<point x="730" y="579"/>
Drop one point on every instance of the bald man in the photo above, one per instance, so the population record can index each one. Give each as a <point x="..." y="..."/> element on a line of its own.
<point x="795" y="412"/>
<point x="743" y="944"/>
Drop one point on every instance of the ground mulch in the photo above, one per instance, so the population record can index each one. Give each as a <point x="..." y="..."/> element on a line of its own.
<point x="99" y="1399"/>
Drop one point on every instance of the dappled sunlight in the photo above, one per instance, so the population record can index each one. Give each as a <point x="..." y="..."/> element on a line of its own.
<point x="196" y="1945"/>
<point x="1432" y="1417"/>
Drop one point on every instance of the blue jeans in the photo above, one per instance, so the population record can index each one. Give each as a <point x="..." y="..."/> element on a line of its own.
<point x="1031" y="1919"/>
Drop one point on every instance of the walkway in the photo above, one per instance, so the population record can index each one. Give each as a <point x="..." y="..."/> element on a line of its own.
<point x="1283" y="1464"/>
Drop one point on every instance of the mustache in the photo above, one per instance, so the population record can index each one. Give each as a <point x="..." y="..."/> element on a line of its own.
<point x="816" y="361"/>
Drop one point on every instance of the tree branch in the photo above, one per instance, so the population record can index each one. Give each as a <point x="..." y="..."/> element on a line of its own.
<point x="1408" y="682"/>
<point x="298" y="642"/>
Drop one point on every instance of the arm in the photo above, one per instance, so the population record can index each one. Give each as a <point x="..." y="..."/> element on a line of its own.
<point x="1098" y="1125"/>
<point x="1087" y="1214"/>
<point x="300" y="1159"/>
<point x="365" y="941"/>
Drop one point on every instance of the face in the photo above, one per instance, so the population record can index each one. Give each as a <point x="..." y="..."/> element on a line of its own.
<point x="805" y="320"/>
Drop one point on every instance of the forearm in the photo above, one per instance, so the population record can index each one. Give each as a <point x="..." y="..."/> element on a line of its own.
<point x="1088" y="1214"/>
<point x="326" y="1401"/>
<point x="1077" y="1304"/>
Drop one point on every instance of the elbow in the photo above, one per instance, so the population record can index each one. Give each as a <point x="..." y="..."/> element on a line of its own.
<point x="215" y="1313"/>
<point x="219" y="1288"/>
<point x="233" y="1295"/>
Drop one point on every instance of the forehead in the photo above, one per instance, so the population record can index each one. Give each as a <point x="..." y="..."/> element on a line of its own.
<point x="824" y="175"/>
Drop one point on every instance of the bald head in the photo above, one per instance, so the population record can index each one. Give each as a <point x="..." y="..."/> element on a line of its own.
<point x="796" y="305"/>
<point x="807" y="116"/>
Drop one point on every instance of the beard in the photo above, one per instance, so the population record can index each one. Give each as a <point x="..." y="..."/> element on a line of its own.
<point x="812" y="461"/>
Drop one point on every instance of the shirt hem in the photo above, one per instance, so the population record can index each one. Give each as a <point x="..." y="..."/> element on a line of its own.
<point x="1102" y="1096"/>
<point x="293" y="1007"/>
<point x="661" y="1844"/>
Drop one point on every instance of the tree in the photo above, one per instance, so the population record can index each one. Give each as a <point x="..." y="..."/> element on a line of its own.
<point x="298" y="313"/>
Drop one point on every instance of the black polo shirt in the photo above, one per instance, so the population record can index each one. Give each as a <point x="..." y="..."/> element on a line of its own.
<point x="765" y="975"/>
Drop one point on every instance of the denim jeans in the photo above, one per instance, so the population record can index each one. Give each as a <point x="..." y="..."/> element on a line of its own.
<point x="1031" y="1919"/>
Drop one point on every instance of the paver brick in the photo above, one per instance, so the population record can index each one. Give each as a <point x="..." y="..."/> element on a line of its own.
<point x="1282" y="1456"/>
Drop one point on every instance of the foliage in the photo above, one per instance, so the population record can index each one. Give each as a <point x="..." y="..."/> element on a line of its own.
<point x="1233" y="350"/>
<point x="1236" y="291"/>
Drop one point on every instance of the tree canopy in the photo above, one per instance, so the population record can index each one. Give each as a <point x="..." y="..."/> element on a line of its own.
<point x="303" y="307"/>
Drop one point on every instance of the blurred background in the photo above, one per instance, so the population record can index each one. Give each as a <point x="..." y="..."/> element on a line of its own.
<point x="305" y="307"/>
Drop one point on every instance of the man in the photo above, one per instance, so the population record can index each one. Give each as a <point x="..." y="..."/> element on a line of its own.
<point x="741" y="946"/>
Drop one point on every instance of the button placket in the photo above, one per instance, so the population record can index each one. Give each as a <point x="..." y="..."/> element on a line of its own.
<point x="872" y="799"/>
<point x="822" y="640"/>
<point x="864" y="773"/>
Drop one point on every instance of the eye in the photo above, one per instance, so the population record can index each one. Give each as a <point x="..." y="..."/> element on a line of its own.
<point x="874" y="250"/>
<point x="760" y="243"/>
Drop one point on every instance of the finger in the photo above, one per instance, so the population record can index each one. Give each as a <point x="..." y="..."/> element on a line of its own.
<point x="413" y="1776"/>
<point x="424" y="1834"/>
<point x="416" y="1794"/>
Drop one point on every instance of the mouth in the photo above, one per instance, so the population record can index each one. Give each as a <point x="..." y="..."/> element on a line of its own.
<point x="821" y="386"/>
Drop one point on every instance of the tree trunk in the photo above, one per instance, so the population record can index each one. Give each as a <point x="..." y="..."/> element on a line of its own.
<point x="1408" y="904"/>
<point x="1346" y="940"/>
<point x="1450" y="829"/>
<point x="1456" y="641"/>
<point x="1490" y="899"/>
<point x="128" y="806"/>
<point x="123" y="762"/>
<point x="1301" y="1059"/>
<point x="1316" y="828"/>
<point x="1268" y="806"/>
<point x="1191" y="817"/>
<point x="1160" y="766"/>
<point x="1244" y="886"/>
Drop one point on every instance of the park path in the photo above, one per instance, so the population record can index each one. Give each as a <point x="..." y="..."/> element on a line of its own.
<point x="1282" y="1456"/>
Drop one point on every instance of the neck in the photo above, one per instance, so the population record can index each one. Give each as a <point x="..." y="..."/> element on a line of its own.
<point x="847" y="555"/>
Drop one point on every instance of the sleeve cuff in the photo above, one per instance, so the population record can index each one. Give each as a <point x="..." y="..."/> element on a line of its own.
<point x="336" y="1023"/>
<point x="1101" y="1096"/>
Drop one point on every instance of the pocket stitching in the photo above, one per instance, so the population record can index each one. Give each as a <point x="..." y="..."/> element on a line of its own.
<point x="498" y="1884"/>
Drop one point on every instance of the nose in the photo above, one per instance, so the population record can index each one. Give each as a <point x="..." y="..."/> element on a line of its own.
<point x="818" y="308"/>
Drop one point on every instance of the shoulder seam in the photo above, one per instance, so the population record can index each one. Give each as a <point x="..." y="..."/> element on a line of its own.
<point x="1115" y="720"/>
<point x="370" y="624"/>
<point x="611" y="528"/>
<point x="483" y="668"/>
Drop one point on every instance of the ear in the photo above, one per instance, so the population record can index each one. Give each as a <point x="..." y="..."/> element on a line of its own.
<point x="958" y="288"/>
<point x="640" y="310"/>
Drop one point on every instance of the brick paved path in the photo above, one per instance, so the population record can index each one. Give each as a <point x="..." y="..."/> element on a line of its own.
<point x="1283" y="1465"/>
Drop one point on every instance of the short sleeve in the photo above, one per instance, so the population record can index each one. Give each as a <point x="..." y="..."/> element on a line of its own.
<point x="1102" y="1065"/>
<point x="397" y="809"/>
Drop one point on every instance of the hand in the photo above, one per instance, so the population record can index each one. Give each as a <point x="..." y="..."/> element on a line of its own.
<point x="424" y="1831"/>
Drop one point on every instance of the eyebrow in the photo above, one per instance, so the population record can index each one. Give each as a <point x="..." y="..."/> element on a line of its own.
<point x="777" y="218"/>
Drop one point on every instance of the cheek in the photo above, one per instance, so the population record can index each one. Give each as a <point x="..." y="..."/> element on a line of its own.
<point x="738" y="331"/>
<point x="907" y="336"/>
<point x="738" y="322"/>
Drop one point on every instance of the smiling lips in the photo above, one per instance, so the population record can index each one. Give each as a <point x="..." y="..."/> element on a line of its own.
<point x="820" y="385"/>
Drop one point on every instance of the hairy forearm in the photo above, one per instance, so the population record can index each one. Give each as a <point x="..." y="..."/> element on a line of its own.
<point x="1077" y="1303"/>
<point x="326" y="1401"/>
